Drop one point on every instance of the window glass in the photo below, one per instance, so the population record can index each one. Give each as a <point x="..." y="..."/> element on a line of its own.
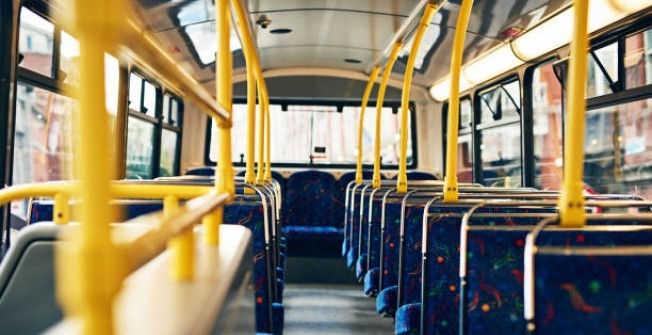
<point x="465" y="159"/>
<point x="618" y="141"/>
<point x="169" y="141"/>
<point x="597" y="83"/>
<point x="466" y="114"/>
<point x="140" y="147"/>
<point x="112" y="82"/>
<point x="547" y="114"/>
<point x="501" y="103"/>
<point x="638" y="59"/>
<point x="149" y="102"/>
<point x="36" y="42"/>
<point x="166" y="109"/>
<point x="135" y="91"/>
<point x="320" y="132"/>
<point x="500" y="149"/>
<point x="43" y="139"/>
<point x="69" y="51"/>
<point x="175" y="112"/>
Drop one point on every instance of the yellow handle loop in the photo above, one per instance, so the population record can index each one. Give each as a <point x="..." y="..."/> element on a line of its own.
<point x="571" y="202"/>
<point x="401" y="181"/>
<point x="379" y="108"/>
<point x="450" y="181"/>
<point x="365" y="99"/>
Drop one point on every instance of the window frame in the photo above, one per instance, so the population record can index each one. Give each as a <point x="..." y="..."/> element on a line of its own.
<point x="340" y="104"/>
<point x="157" y="121"/>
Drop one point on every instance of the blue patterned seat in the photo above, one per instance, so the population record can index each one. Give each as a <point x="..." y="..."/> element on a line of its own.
<point x="600" y="292"/>
<point x="312" y="201"/>
<point x="41" y="209"/>
<point x="389" y="256"/>
<point x="369" y="229"/>
<point x="419" y="175"/>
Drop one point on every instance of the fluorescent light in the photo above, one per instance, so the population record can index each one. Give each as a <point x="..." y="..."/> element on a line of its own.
<point x="491" y="64"/>
<point x="442" y="90"/>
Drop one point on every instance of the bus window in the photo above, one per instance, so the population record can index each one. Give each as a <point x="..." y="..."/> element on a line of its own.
<point x="547" y="120"/>
<point x="500" y="134"/>
<point x="43" y="140"/>
<point x="597" y="81"/>
<point x="169" y="157"/>
<point x="36" y="42"/>
<point x="638" y="59"/>
<point x="140" y="149"/>
<point x="617" y="146"/>
<point x="465" y="143"/>
<point x="135" y="92"/>
<point x="149" y="99"/>
<point x="318" y="134"/>
<point x="69" y="51"/>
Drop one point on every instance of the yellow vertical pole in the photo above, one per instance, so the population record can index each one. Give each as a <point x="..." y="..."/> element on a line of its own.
<point x="224" y="171"/>
<point x="401" y="180"/>
<point x="450" y="180"/>
<point x="379" y="108"/>
<point x="182" y="262"/>
<point x="365" y="99"/>
<point x="61" y="209"/>
<point x="571" y="202"/>
<point x="260" y="177"/>
<point x="99" y="272"/>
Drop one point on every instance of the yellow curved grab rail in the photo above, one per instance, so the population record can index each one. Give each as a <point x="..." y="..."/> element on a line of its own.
<point x="365" y="99"/>
<point x="571" y="202"/>
<point x="401" y="180"/>
<point x="379" y="109"/>
<point x="450" y="180"/>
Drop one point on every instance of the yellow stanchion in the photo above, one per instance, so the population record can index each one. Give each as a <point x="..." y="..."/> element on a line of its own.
<point x="450" y="180"/>
<point x="365" y="99"/>
<point x="224" y="171"/>
<point x="401" y="180"/>
<point x="571" y="202"/>
<point x="61" y="209"/>
<point x="268" y="143"/>
<point x="250" y="174"/>
<point x="379" y="109"/>
<point x="182" y="247"/>
<point x="260" y="176"/>
<point x="99" y="268"/>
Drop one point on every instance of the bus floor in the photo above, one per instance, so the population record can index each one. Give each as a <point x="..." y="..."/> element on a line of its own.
<point x="331" y="309"/>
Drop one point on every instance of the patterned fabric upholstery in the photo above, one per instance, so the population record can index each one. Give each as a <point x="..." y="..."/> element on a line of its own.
<point x="386" y="301"/>
<point x="408" y="320"/>
<point x="251" y="216"/>
<point x="373" y="240"/>
<point x="409" y="284"/>
<point x="389" y="253"/>
<point x="348" y="177"/>
<point x="361" y="267"/>
<point x="313" y="199"/>
<point x="603" y="294"/>
<point x="41" y="210"/>
<point x="363" y="229"/>
<point x="371" y="279"/>
<point x="351" y="225"/>
<point x="419" y="175"/>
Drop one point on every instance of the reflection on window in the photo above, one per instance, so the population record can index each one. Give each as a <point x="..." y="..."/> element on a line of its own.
<point x="638" y="59"/>
<point x="501" y="154"/>
<point x="618" y="155"/>
<point x="140" y="139"/>
<point x="548" y="144"/>
<point x="465" y="159"/>
<point x="43" y="140"/>
<point x="597" y="81"/>
<point x="135" y="91"/>
<point x="320" y="133"/>
<point x="149" y="100"/>
<point x="36" y="42"/>
<point x="501" y="103"/>
<point x="169" y="140"/>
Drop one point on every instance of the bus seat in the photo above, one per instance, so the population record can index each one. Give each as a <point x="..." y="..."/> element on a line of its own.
<point x="41" y="209"/>
<point x="593" y="294"/>
<point x="506" y="243"/>
<point x="314" y="203"/>
<point x="390" y="254"/>
<point x="373" y="245"/>
<point x="408" y="319"/>
<point x="348" y="177"/>
<point x="27" y="299"/>
<point x="207" y="171"/>
<point x="419" y="175"/>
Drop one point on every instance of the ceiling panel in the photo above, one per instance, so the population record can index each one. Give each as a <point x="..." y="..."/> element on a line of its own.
<point x="391" y="7"/>
<point x="315" y="56"/>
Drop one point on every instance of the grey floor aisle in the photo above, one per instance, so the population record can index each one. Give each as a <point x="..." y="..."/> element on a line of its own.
<point x="331" y="309"/>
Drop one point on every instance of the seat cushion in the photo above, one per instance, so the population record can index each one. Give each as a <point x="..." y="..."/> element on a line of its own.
<point x="345" y="246"/>
<point x="408" y="320"/>
<point x="361" y="267"/>
<point x="371" y="279"/>
<point x="387" y="300"/>
<point x="313" y="233"/>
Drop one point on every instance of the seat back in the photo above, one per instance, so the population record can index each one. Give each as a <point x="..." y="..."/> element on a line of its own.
<point x="313" y="198"/>
<point x="419" y="175"/>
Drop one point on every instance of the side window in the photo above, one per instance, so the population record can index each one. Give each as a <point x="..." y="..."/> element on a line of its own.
<point x="638" y="59"/>
<point x="499" y="134"/>
<point x="36" y="43"/>
<point x="547" y="106"/>
<point x="153" y="130"/>
<point x="464" y="141"/>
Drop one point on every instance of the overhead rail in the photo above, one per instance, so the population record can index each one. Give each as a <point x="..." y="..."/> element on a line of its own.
<point x="401" y="180"/>
<point x="546" y="36"/>
<point x="379" y="109"/>
<point x="450" y="179"/>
